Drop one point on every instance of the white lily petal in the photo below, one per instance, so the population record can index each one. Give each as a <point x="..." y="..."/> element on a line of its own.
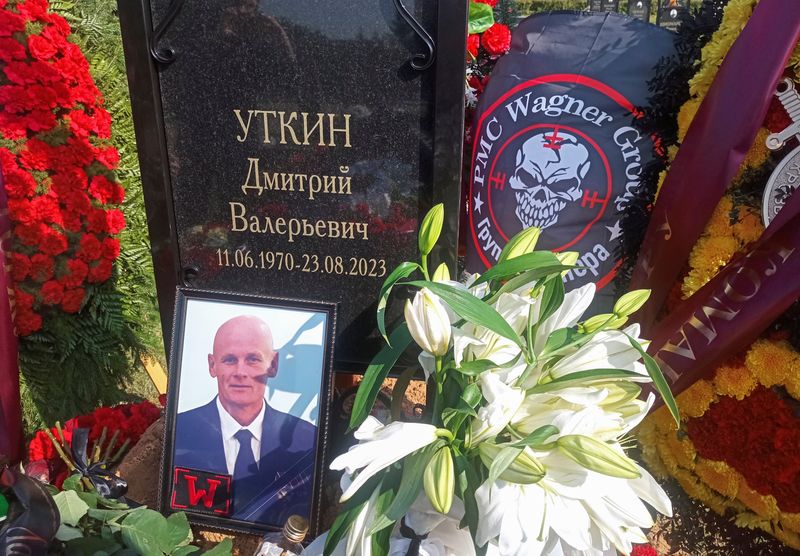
<point x="571" y="310"/>
<point x="651" y="492"/>
<point x="504" y="401"/>
<point x="381" y="448"/>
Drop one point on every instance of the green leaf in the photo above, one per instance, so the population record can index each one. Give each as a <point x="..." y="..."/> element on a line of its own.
<point x="430" y="229"/>
<point x="399" y="392"/>
<point x="528" y="277"/>
<point x="109" y="515"/>
<point x="537" y="437"/>
<point x="467" y="482"/>
<point x="67" y="533"/>
<point x="222" y="549"/>
<point x="350" y="509"/>
<point x="70" y="507"/>
<point x="530" y="261"/>
<point x="91" y="498"/>
<point x="145" y="531"/>
<point x="403" y="270"/>
<point x="475" y="367"/>
<point x="583" y="377"/>
<point x="658" y="379"/>
<point x="91" y="545"/>
<point x="454" y="417"/>
<point x="184" y="550"/>
<point x="376" y="372"/>
<point x="481" y="17"/>
<point x="471" y="308"/>
<point x="388" y="488"/>
<point x="410" y="485"/>
<point x="73" y="482"/>
<point x="560" y="338"/>
<point x="504" y="458"/>
<point x="380" y="542"/>
<point x="178" y="531"/>
<point x="552" y="298"/>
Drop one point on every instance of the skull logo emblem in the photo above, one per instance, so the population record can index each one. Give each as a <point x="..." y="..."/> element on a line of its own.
<point x="550" y="168"/>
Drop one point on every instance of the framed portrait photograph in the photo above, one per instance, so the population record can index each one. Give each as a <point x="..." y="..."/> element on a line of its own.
<point x="248" y="408"/>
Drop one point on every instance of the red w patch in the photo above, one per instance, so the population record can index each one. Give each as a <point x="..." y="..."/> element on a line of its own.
<point x="201" y="491"/>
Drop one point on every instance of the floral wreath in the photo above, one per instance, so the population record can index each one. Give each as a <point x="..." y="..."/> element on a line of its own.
<point x="57" y="164"/>
<point x="751" y="399"/>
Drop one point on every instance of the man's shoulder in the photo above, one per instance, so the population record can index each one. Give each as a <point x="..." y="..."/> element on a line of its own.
<point x="296" y="433"/>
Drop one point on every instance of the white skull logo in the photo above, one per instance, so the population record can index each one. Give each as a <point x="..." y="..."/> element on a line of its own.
<point x="550" y="169"/>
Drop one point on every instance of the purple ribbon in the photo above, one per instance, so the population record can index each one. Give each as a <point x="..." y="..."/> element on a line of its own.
<point x="718" y="139"/>
<point x="734" y="308"/>
<point x="10" y="410"/>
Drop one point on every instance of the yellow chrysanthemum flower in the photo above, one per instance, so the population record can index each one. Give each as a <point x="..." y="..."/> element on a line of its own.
<point x="720" y="222"/>
<point x="789" y="538"/>
<point x="694" y="401"/>
<point x="666" y="456"/>
<point x="683" y="450"/>
<point x="663" y="420"/>
<point x="758" y="153"/>
<point x="749" y="227"/>
<point x="734" y="381"/>
<point x="791" y="521"/>
<point x="764" y="506"/>
<point x="770" y="362"/>
<point x="686" y="115"/>
<point x="719" y="476"/>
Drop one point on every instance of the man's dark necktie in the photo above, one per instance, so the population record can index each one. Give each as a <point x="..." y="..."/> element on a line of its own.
<point x="244" y="470"/>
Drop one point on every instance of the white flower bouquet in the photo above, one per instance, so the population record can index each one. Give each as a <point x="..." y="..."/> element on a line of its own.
<point x="523" y="454"/>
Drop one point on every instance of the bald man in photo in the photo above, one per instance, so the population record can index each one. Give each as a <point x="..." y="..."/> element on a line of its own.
<point x="268" y="453"/>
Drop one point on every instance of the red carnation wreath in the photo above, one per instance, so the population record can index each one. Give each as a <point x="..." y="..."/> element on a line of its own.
<point x="57" y="164"/>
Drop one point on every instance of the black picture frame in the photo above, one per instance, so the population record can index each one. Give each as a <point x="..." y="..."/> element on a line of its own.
<point x="194" y="303"/>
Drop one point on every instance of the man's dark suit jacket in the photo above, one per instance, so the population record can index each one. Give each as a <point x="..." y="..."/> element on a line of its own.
<point x="285" y="469"/>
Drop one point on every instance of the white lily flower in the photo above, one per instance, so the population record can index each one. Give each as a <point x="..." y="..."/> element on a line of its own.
<point x="428" y="322"/>
<point x="379" y="447"/>
<point x="610" y="349"/>
<point x="504" y="401"/>
<point x="567" y="315"/>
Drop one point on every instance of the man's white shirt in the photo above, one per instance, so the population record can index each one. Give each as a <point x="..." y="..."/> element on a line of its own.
<point x="230" y="427"/>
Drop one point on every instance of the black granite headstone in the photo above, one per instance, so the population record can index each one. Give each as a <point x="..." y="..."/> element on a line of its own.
<point x="670" y="13"/>
<point x="604" y="5"/>
<point x="290" y="147"/>
<point x="639" y="9"/>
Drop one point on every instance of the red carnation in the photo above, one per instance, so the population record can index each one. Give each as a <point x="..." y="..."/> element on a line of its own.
<point x="46" y="208"/>
<point x="76" y="201"/>
<point x="109" y="157"/>
<point x="11" y="49"/>
<point x="27" y="322"/>
<point x="496" y="39"/>
<point x="91" y="248"/>
<point x="20" y="266"/>
<point x="100" y="272"/>
<point x="10" y="23"/>
<point x="22" y="299"/>
<point x="41" y="447"/>
<point x="473" y="43"/>
<point x="52" y="292"/>
<point x="101" y="189"/>
<point x="33" y="9"/>
<point x="96" y="221"/>
<point x="110" y="248"/>
<point x="643" y="550"/>
<point x="41" y="48"/>
<point x="115" y="221"/>
<point x="78" y="270"/>
<point x="41" y="267"/>
<point x="52" y="242"/>
<point x="21" y="210"/>
<point x="30" y="234"/>
<point x="492" y="3"/>
<point x="71" y="303"/>
<point x="71" y="221"/>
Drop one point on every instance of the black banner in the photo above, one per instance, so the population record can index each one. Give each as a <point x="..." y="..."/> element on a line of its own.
<point x="556" y="144"/>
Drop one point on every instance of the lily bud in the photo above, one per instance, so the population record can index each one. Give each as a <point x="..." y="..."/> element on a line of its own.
<point x="619" y="392"/>
<point x="567" y="257"/>
<point x="439" y="480"/>
<point x="605" y="321"/>
<point x="597" y="456"/>
<point x="524" y="470"/>
<point x="441" y="274"/>
<point x="430" y="229"/>
<point x="521" y="244"/>
<point x="428" y="322"/>
<point x="630" y="302"/>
